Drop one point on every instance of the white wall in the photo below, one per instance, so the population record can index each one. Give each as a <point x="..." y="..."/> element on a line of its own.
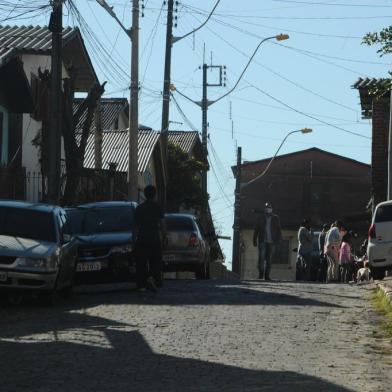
<point x="249" y="257"/>
<point x="31" y="127"/>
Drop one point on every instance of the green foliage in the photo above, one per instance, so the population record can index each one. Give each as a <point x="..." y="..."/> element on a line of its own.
<point x="382" y="304"/>
<point x="184" y="185"/>
<point x="384" y="40"/>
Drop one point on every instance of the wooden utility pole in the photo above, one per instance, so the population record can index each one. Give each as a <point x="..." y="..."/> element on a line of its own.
<point x="54" y="137"/>
<point x="204" y="125"/>
<point x="166" y="82"/>
<point x="134" y="107"/>
<point x="98" y="135"/>
<point x="235" y="263"/>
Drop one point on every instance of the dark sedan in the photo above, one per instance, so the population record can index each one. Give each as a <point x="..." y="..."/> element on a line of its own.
<point x="106" y="237"/>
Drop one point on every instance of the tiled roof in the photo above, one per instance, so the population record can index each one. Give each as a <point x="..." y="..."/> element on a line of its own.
<point x="364" y="86"/>
<point x="115" y="149"/>
<point x="111" y="109"/>
<point x="38" y="40"/>
<point x="183" y="139"/>
<point x="29" y="39"/>
<point x="368" y="83"/>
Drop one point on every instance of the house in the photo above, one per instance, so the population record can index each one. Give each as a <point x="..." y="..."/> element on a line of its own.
<point x="376" y="108"/>
<point x="32" y="46"/>
<point x="115" y="156"/>
<point x="188" y="141"/>
<point x="15" y="99"/>
<point x="313" y="184"/>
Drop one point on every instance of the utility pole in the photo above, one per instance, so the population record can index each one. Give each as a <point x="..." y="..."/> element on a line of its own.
<point x="236" y="264"/>
<point x="54" y="153"/>
<point x="134" y="107"/>
<point x="204" y="104"/>
<point x="166" y="79"/>
<point x="98" y="135"/>
<point x="204" y="130"/>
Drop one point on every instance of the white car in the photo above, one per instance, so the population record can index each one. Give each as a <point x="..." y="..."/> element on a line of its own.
<point x="380" y="240"/>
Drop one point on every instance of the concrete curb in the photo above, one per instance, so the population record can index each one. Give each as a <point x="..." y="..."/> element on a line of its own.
<point x="386" y="287"/>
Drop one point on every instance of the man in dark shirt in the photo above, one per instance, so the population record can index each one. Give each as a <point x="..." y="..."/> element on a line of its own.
<point x="149" y="218"/>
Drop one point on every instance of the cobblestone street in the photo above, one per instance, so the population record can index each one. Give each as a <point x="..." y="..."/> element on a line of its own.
<point x="199" y="336"/>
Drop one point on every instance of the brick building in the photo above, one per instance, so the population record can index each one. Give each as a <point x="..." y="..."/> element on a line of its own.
<point x="376" y="108"/>
<point x="312" y="184"/>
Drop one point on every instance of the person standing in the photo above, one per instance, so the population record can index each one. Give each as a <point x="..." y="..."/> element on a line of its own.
<point x="346" y="259"/>
<point x="323" y="258"/>
<point x="266" y="236"/>
<point x="332" y="247"/>
<point x="305" y="247"/>
<point x="150" y="230"/>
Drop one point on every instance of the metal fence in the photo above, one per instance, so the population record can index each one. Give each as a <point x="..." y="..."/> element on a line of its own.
<point x="94" y="185"/>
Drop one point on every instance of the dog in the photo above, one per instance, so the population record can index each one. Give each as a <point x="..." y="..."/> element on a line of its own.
<point x="364" y="274"/>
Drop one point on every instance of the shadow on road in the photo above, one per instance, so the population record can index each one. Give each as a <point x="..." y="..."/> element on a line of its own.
<point x="77" y="352"/>
<point x="195" y="292"/>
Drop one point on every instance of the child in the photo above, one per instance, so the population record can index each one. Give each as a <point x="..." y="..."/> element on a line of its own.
<point x="346" y="259"/>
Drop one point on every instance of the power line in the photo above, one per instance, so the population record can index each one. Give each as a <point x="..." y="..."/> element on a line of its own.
<point x="332" y="4"/>
<point x="306" y="115"/>
<point x="281" y="76"/>
<point x="198" y="10"/>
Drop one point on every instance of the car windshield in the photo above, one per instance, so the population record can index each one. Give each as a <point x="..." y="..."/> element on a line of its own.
<point x="179" y="224"/>
<point x="101" y="220"/>
<point x="383" y="214"/>
<point x="27" y="223"/>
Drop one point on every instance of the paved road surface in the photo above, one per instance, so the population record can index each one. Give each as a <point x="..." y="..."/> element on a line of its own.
<point x="199" y="336"/>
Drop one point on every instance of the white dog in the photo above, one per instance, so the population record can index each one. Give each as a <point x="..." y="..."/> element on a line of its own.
<point x="363" y="274"/>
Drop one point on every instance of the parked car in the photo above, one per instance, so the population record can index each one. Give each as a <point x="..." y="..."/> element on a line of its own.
<point x="106" y="237"/>
<point x="379" y="248"/>
<point x="187" y="247"/>
<point x="37" y="254"/>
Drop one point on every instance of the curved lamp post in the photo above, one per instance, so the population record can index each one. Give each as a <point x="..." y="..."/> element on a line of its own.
<point x="303" y="130"/>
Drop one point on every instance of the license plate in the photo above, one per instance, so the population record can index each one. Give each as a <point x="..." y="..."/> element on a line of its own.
<point x="169" y="258"/>
<point x="87" y="267"/>
<point x="3" y="276"/>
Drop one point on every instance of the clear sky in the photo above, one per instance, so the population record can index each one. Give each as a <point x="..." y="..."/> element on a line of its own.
<point x="311" y="73"/>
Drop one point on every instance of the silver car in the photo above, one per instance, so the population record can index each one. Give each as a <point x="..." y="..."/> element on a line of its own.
<point x="187" y="248"/>
<point x="36" y="252"/>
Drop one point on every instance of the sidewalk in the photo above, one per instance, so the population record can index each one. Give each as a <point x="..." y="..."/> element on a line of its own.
<point x="386" y="286"/>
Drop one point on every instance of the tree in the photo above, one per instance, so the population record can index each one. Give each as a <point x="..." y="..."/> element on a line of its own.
<point x="184" y="184"/>
<point x="75" y="144"/>
<point x="384" y="40"/>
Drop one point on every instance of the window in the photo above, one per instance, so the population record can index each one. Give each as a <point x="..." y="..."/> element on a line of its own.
<point x="27" y="223"/>
<point x="383" y="214"/>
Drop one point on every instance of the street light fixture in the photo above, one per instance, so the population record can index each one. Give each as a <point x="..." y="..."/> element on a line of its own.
<point x="303" y="131"/>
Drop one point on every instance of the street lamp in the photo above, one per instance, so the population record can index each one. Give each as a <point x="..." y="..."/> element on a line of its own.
<point x="303" y="131"/>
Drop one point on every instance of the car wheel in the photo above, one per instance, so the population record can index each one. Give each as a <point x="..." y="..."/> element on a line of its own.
<point x="378" y="273"/>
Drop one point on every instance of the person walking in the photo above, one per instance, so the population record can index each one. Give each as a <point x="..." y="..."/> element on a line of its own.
<point x="323" y="257"/>
<point x="266" y="236"/>
<point x="333" y="240"/>
<point x="305" y="247"/>
<point x="150" y="230"/>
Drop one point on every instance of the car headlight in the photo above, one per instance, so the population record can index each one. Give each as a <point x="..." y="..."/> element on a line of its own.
<point x="41" y="264"/>
<point x="122" y="249"/>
